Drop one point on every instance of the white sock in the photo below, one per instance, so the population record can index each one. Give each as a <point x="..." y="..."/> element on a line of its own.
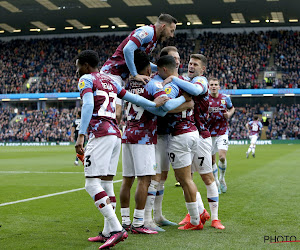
<point x="152" y="189"/>
<point x="253" y="150"/>
<point x="249" y="149"/>
<point x="199" y="203"/>
<point x="213" y="200"/>
<point x="125" y="213"/>
<point x="138" y="217"/>
<point x="222" y="167"/>
<point x="192" y="207"/>
<point x="215" y="172"/>
<point x="157" y="211"/>
<point x="100" y="197"/>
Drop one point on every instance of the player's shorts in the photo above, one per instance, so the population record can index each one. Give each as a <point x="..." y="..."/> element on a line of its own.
<point x="219" y="143"/>
<point x="253" y="139"/>
<point x="202" y="161"/>
<point x="138" y="160"/>
<point x="101" y="156"/>
<point x="182" y="148"/>
<point x="161" y="154"/>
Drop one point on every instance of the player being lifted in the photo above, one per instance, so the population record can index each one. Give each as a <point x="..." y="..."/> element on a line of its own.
<point x="202" y="162"/>
<point x="253" y="127"/>
<point x="121" y="63"/>
<point x="156" y="188"/>
<point x="220" y="110"/>
<point x="138" y="148"/>
<point x="99" y="93"/>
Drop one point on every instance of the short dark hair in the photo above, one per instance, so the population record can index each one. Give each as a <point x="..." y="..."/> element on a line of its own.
<point x="166" y="61"/>
<point x="165" y="51"/>
<point x="255" y="118"/>
<point x="141" y="60"/>
<point x="200" y="57"/>
<point x="166" y="18"/>
<point x="89" y="56"/>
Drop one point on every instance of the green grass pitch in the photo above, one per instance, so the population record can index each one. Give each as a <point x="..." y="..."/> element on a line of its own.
<point x="263" y="199"/>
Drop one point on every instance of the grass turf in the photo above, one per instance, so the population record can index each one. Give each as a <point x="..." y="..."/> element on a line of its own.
<point x="262" y="200"/>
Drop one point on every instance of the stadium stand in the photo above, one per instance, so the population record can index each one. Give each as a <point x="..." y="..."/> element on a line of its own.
<point x="237" y="59"/>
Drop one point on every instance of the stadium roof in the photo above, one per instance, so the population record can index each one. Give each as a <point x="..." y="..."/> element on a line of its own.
<point x="31" y="17"/>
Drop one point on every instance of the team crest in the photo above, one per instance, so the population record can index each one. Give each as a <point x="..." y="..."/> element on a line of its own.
<point x="143" y="34"/>
<point x="168" y="90"/>
<point x="159" y="85"/>
<point x="200" y="80"/>
<point x="81" y="84"/>
<point x="223" y="101"/>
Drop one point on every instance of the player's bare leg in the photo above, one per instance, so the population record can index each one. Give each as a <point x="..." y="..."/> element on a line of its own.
<point x="213" y="198"/>
<point x="183" y="175"/>
<point x="222" y="166"/>
<point x="125" y="201"/>
<point x="215" y="172"/>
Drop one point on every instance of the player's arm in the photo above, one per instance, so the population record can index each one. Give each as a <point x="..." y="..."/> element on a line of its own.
<point x="141" y="36"/>
<point x="187" y="105"/>
<point x="172" y="92"/>
<point x="72" y="133"/>
<point x="85" y="86"/>
<point x="189" y="87"/>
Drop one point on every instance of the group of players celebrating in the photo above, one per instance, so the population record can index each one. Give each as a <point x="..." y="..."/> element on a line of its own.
<point x="170" y="119"/>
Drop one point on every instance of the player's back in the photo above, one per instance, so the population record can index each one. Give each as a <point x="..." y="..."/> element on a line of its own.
<point x="103" y="121"/>
<point x="116" y="64"/>
<point x="255" y="126"/>
<point x="141" y="125"/>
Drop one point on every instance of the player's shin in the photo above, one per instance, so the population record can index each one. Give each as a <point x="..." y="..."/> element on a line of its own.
<point x="213" y="199"/>
<point x="152" y="189"/>
<point x="157" y="211"/>
<point x="222" y="167"/>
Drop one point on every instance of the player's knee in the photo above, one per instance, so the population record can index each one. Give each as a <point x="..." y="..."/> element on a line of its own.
<point x="222" y="158"/>
<point x="208" y="178"/>
<point x="92" y="186"/>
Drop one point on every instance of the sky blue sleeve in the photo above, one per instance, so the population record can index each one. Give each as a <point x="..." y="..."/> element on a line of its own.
<point x="260" y="125"/>
<point x="192" y="89"/>
<point x="144" y="34"/>
<point x="128" y="51"/>
<point x="229" y="103"/>
<point x="172" y="90"/>
<point x="138" y="100"/>
<point x="86" y="112"/>
<point x="85" y="82"/>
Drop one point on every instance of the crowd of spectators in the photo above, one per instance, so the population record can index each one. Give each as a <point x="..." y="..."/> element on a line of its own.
<point x="284" y="124"/>
<point x="287" y="58"/>
<point x="54" y="125"/>
<point x="50" y="125"/>
<point x="235" y="58"/>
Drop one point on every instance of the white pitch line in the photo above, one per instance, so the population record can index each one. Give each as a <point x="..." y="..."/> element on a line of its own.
<point x="45" y="196"/>
<point x="37" y="172"/>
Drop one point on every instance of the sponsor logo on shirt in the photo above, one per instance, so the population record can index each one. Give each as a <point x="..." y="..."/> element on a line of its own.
<point x="159" y="85"/>
<point x="223" y="101"/>
<point x="142" y="34"/>
<point x="81" y="84"/>
<point x="168" y="90"/>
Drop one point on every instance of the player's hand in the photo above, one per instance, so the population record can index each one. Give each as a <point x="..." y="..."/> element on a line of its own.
<point x="79" y="145"/>
<point x="226" y="115"/>
<point x="161" y="100"/>
<point x="190" y="104"/>
<point x="142" y="78"/>
<point x="72" y="139"/>
<point x="167" y="80"/>
<point x="187" y="96"/>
